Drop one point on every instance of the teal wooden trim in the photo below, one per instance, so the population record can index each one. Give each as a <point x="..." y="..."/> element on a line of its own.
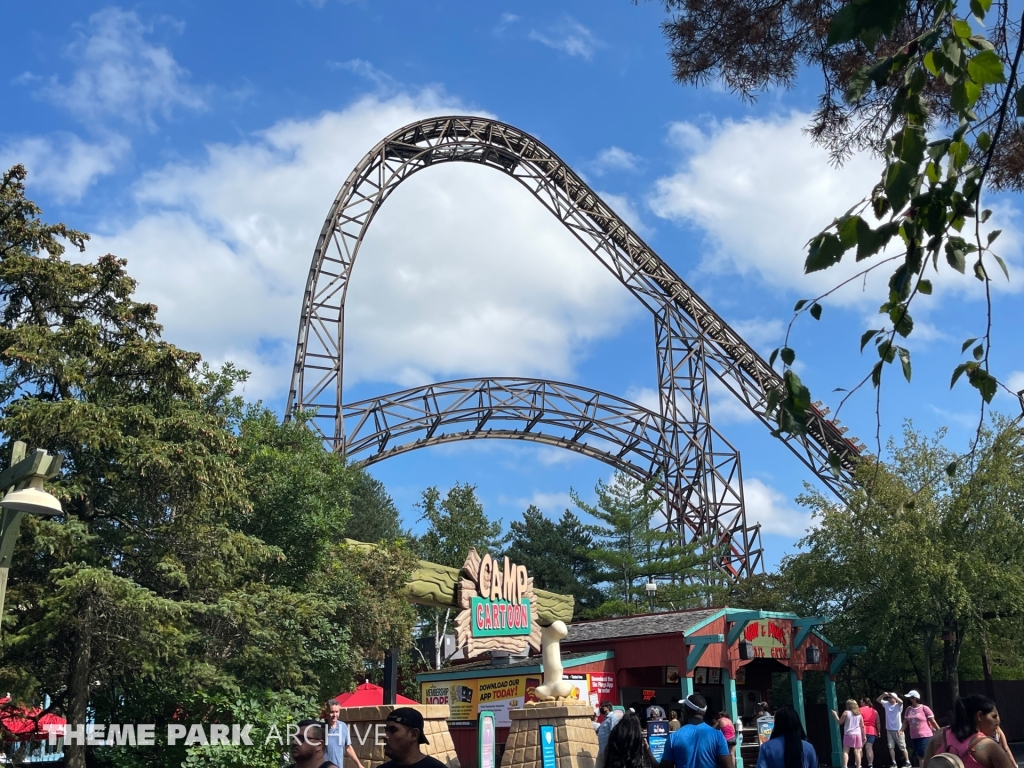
<point x="713" y="617"/>
<point x="798" y="696"/>
<point x="699" y="644"/>
<point x="732" y="707"/>
<point x="449" y="674"/>
<point x="686" y="687"/>
<point x="806" y="626"/>
<point x="832" y="702"/>
<point x="740" y="620"/>
<point x="837" y="663"/>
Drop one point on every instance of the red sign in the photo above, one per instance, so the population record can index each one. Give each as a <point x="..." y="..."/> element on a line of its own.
<point x="770" y="638"/>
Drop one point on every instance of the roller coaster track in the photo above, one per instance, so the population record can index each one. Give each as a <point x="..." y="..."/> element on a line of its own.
<point x="692" y="342"/>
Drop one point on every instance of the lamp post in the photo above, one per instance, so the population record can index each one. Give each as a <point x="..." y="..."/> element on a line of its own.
<point x="23" y="484"/>
<point x="652" y="591"/>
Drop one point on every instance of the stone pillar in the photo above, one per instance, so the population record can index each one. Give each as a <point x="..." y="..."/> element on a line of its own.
<point x="797" y="684"/>
<point x="832" y="702"/>
<point x="366" y="732"/>
<point x="732" y="707"/>
<point x="575" y="738"/>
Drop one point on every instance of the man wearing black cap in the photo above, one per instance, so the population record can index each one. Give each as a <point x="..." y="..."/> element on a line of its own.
<point x="696" y="744"/>
<point x="403" y="734"/>
<point x="308" y="750"/>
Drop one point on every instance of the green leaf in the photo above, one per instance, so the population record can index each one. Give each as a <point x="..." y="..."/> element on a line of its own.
<point x="956" y="258"/>
<point x="825" y="250"/>
<point x="929" y="63"/>
<point x="967" y="344"/>
<point x="788" y="355"/>
<point x="977" y="10"/>
<point x="871" y="241"/>
<point x="876" y="375"/>
<point x="816" y="311"/>
<point x="986" y="68"/>
<point x="973" y="91"/>
<point x="844" y="26"/>
<point x="899" y="180"/>
<point x="978" y="352"/>
<point x="951" y="468"/>
<point x="984" y="382"/>
<point x="835" y="464"/>
<point x="905" y="361"/>
<point x="984" y="141"/>
<point x="959" y="371"/>
<point x="980" y="271"/>
<point x="800" y="305"/>
<point x="902" y="321"/>
<point x="775" y="354"/>
<point x="961" y="28"/>
<point x="1002" y="265"/>
<point x="924" y="286"/>
<point x="993" y="235"/>
<point x="985" y="214"/>
<point x="866" y="337"/>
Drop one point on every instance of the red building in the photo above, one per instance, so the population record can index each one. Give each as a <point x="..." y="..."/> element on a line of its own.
<point x="729" y="656"/>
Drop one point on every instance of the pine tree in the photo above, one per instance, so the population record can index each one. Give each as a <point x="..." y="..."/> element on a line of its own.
<point x="630" y="550"/>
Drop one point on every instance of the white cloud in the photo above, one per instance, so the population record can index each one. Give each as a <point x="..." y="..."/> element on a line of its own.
<point x="760" y="189"/>
<point x="645" y="397"/>
<point x="624" y="207"/>
<point x="759" y="333"/>
<point x="506" y="20"/>
<point x="63" y="164"/>
<point x="462" y="271"/>
<point x="770" y="508"/>
<point x="366" y="70"/>
<point x="568" y="36"/>
<point x="122" y="74"/>
<point x="724" y="405"/>
<point x="551" y="504"/>
<point x="614" y="159"/>
<point x="1015" y="381"/>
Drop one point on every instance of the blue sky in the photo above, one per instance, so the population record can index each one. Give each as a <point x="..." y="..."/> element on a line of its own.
<point x="205" y="143"/>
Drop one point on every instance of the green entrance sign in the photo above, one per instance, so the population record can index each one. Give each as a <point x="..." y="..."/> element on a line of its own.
<point x="500" y="618"/>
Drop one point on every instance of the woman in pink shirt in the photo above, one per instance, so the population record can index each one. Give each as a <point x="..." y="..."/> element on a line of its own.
<point x="870" y="715"/>
<point x="921" y="724"/>
<point x="724" y="724"/>
<point x="972" y="735"/>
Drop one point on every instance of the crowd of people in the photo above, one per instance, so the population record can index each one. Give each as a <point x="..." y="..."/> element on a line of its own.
<point x="913" y="736"/>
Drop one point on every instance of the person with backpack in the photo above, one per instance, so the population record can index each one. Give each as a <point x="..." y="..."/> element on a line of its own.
<point x="921" y="724"/>
<point x="970" y="742"/>
<point x="787" y="747"/>
<point x="852" y="723"/>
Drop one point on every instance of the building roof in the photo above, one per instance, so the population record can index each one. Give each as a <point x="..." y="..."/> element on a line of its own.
<point x="484" y="668"/>
<point x="674" y="622"/>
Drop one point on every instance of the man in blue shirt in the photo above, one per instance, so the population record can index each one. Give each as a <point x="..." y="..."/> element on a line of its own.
<point x="697" y="744"/>
<point x="338" y="743"/>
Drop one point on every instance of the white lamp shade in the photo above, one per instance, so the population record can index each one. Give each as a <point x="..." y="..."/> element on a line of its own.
<point x="33" y="500"/>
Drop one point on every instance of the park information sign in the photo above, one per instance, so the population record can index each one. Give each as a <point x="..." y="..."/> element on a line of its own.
<point x="499" y="608"/>
<point x="657" y="736"/>
<point x="770" y="638"/>
<point x="547" y="746"/>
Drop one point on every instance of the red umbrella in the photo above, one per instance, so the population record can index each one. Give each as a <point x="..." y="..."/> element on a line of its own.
<point x="28" y="723"/>
<point x="367" y="695"/>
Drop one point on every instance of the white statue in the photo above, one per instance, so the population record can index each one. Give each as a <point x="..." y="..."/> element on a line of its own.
<point x="551" y="655"/>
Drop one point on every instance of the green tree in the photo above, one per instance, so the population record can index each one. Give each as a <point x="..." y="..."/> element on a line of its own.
<point x="159" y="593"/>
<point x="557" y="555"/>
<point x="629" y="550"/>
<point x="933" y="88"/>
<point x="924" y="558"/>
<point x="454" y="524"/>
<point x="374" y="515"/>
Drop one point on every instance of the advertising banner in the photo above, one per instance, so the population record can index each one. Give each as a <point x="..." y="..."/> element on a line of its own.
<point x="499" y="695"/>
<point x="460" y="695"/>
<point x="486" y="746"/>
